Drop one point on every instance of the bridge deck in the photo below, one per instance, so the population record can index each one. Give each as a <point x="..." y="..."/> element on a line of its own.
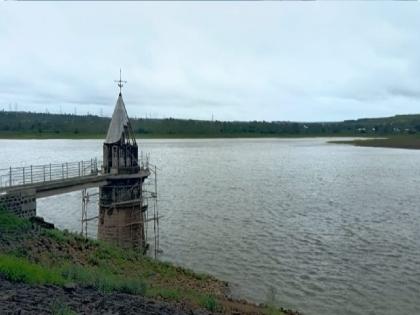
<point x="60" y="186"/>
<point x="53" y="179"/>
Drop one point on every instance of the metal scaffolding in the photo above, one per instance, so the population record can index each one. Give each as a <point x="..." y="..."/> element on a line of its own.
<point x="144" y="211"/>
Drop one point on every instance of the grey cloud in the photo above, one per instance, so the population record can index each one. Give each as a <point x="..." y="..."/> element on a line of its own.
<point x="272" y="61"/>
<point x="405" y="92"/>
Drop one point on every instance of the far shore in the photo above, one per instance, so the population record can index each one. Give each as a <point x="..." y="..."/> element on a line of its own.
<point x="86" y="136"/>
<point x="397" y="142"/>
<point x="402" y="142"/>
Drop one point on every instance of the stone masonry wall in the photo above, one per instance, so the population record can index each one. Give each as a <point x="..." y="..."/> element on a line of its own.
<point x="22" y="203"/>
<point x="123" y="226"/>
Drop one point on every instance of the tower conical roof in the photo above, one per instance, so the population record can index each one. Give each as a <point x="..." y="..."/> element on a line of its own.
<point x="118" y="122"/>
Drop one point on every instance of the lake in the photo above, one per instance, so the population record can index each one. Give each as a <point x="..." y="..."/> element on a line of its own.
<point x="330" y="229"/>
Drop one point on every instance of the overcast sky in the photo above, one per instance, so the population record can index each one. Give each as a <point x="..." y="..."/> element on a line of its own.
<point x="300" y="61"/>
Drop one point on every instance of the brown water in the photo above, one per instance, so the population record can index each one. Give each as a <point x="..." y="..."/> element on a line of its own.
<point x="333" y="229"/>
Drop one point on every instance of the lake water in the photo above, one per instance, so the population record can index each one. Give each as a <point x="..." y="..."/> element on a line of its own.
<point x="331" y="229"/>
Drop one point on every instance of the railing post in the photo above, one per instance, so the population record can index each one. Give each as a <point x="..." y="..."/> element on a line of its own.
<point x="43" y="171"/>
<point x="62" y="170"/>
<point x="10" y="176"/>
<point x="23" y="174"/>
<point x="31" y="175"/>
<point x="67" y="170"/>
<point x="91" y="166"/>
<point x="83" y="168"/>
<point x="50" y="171"/>
<point x="79" y="169"/>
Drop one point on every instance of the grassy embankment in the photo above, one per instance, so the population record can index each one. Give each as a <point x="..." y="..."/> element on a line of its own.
<point x="39" y="256"/>
<point x="402" y="142"/>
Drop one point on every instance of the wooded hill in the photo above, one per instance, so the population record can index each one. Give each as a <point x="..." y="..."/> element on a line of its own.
<point x="27" y="124"/>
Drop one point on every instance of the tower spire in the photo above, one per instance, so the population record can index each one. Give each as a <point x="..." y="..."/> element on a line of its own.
<point x="120" y="82"/>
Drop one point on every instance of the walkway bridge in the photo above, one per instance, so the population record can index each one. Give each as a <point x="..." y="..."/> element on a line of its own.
<point x="21" y="186"/>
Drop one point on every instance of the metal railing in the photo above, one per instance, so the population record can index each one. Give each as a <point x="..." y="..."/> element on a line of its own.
<point x="16" y="176"/>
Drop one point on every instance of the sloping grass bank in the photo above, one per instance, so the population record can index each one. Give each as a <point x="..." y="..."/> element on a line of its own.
<point x="38" y="256"/>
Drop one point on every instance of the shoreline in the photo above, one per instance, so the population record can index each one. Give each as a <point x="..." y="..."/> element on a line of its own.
<point x="393" y="142"/>
<point x="409" y="143"/>
<point x="52" y="136"/>
<point x="85" y="275"/>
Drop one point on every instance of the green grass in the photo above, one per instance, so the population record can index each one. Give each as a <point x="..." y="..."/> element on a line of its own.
<point x="103" y="280"/>
<point x="65" y="236"/>
<point x="209" y="302"/>
<point x="21" y="270"/>
<point x="60" y="257"/>
<point x="57" y="235"/>
<point x="12" y="223"/>
<point x="109" y="269"/>
<point x="272" y="310"/>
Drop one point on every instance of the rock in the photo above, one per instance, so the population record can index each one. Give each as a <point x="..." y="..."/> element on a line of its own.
<point x="39" y="221"/>
<point x="5" y="297"/>
<point x="16" y="298"/>
<point x="70" y="287"/>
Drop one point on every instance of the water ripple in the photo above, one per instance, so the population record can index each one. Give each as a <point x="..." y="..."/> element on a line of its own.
<point x="334" y="229"/>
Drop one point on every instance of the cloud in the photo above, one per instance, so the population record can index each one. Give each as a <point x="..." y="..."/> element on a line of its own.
<point x="405" y="92"/>
<point x="239" y="61"/>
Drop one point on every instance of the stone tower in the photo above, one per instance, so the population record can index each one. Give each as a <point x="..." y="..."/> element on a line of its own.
<point x="121" y="206"/>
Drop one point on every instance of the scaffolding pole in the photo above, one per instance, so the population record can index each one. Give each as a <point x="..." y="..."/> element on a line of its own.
<point x="139" y="213"/>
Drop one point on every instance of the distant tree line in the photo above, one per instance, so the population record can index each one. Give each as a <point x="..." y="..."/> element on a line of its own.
<point x="66" y="124"/>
